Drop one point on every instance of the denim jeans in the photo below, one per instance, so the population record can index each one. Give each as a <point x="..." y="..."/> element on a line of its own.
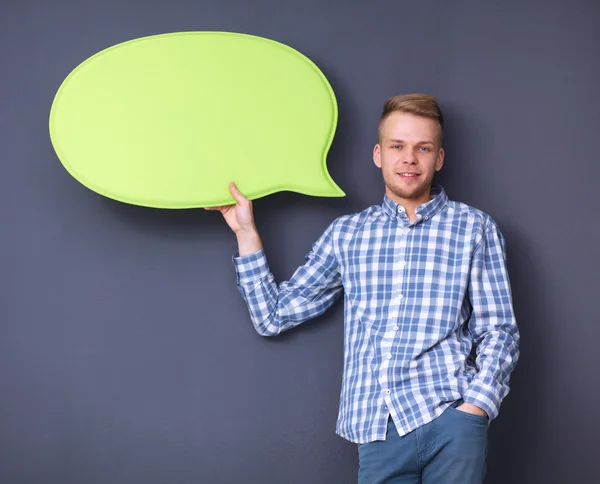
<point x="449" y="450"/>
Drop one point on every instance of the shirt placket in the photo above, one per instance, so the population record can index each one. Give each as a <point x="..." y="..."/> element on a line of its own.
<point x="389" y="350"/>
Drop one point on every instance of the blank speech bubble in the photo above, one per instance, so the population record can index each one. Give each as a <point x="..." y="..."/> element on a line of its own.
<point x="168" y="121"/>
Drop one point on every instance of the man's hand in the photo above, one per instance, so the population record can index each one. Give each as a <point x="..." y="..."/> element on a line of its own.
<point x="240" y="219"/>
<point x="474" y="409"/>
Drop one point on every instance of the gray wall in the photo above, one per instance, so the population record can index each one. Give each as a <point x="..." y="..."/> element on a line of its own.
<point x="126" y="353"/>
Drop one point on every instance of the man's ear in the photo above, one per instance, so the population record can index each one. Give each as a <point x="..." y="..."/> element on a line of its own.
<point x="440" y="160"/>
<point x="377" y="155"/>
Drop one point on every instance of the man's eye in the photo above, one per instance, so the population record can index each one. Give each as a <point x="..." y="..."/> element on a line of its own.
<point x="424" y="148"/>
<point x="396" y="147"/>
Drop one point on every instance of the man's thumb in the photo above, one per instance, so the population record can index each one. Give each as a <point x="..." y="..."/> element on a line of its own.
<point x="239" y="198"/>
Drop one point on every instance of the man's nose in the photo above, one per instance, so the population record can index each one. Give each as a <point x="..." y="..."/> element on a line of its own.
<point x="410" y="157"/>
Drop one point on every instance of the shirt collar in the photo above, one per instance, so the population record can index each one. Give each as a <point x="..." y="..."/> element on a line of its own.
<point x="424" y="212"/>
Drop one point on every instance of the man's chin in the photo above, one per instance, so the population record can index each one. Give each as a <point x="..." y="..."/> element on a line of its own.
<point x="412" y="194"/>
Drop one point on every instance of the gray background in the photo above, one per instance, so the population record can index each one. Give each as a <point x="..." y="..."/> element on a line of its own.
<point x="126" y="353"/>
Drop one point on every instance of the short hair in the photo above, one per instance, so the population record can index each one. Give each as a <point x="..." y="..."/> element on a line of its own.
<point x="417" y="104"/>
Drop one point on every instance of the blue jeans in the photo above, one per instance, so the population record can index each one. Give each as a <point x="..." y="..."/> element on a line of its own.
<point x="449" y="450"/>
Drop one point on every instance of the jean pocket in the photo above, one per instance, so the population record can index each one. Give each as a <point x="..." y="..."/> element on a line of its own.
<point x="471" y="416"/>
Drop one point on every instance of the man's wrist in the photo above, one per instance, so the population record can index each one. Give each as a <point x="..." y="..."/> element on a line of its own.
<point x="248" y="242"/>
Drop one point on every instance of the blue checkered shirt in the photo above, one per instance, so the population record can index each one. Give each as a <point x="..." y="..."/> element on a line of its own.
<point x="418" y="298"/>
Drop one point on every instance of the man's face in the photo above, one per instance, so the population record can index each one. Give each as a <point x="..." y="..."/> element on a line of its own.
<point x="409" y="153"/>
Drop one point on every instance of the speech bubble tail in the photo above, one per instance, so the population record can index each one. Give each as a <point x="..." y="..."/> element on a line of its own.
<point x="320" y="187"/>
<point x="336" y="191"/>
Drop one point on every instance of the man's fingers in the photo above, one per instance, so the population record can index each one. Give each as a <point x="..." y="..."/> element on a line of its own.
<point x="223" y="208"/>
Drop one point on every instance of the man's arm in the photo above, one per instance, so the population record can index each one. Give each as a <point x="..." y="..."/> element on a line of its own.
<point x="274" y="308"/>
<point x="492" y="324"/>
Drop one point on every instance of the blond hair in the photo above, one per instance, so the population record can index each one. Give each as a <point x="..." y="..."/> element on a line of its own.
<point x="417" y="104"/>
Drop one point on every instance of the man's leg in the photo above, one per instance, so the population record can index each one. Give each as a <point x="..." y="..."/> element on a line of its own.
<point x="391" y="461"/>
<point x="461" y="448"/>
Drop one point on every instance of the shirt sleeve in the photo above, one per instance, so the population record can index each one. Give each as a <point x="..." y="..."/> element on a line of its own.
<point x="311" y="290"/>
<point x="492" y="323"/>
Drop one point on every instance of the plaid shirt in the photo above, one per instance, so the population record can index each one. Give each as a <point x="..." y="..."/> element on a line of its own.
<point x="418" y="297"/>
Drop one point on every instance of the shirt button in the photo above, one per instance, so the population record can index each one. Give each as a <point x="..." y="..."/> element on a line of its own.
<point x="426" y="218"/>
<point x="389" y="356"/>
<point x="396" y="328"/>
<point x="402" y="264"/>
<point x="388" y="391"/>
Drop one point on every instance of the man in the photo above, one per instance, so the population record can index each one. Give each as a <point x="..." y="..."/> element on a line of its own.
<point x="430" y="335"/>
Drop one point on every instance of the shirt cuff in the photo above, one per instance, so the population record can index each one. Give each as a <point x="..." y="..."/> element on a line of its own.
<point x="251" y="267"/>
<point x="484" y="397"/>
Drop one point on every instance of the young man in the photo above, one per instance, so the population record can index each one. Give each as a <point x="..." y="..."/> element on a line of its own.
<point x="430" y="334"/>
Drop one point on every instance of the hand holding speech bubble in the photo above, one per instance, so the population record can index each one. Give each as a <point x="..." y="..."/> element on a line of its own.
<point x="168" y="121"/>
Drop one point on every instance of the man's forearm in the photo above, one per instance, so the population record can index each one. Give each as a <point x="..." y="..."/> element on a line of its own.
<point x="248" y="242"/>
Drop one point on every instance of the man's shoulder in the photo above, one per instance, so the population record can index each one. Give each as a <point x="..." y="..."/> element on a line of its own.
<point x="461" y="211"/>
<point x="355" y="220"/>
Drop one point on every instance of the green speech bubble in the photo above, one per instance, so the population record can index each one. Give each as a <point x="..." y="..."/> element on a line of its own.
<point x="168" y="121"/>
